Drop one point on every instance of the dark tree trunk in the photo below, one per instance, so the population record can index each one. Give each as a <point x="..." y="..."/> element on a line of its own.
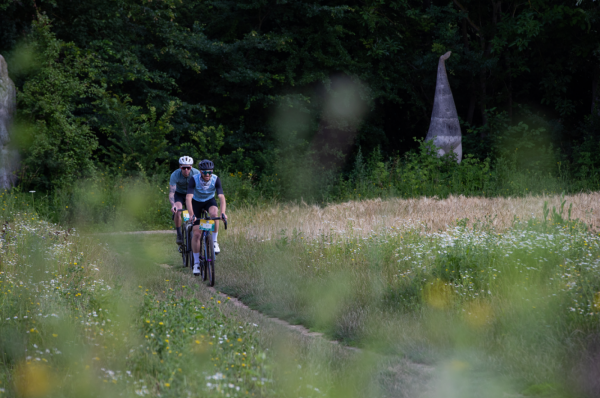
<point x="596" y="91"/>
<point x="509" y="87"/>
<point x="465" y="34"/>
<point x="472" y="102"/>
<point x="483" y="99"/>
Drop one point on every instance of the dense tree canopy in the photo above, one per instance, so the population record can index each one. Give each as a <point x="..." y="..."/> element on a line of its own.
<point x="261" y="85"/>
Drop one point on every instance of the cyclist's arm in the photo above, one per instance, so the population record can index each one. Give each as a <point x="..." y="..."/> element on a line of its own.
<point x="172" y="189"/>
<point x="223" y="204"/>
<point x="221" y="196"/>
<point x="188" y="204"/>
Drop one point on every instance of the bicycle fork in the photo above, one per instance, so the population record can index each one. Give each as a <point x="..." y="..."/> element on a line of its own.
<point x="204" y="251"/>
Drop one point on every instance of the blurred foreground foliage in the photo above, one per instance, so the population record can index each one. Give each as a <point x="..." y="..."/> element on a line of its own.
<point x="90" y="316"/>
<point x="75" y="323"/>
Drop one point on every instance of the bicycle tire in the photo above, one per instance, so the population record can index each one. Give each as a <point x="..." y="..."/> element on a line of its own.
<point x="181" y="250"/>
<point x="210" y="258"/>
<point x="203" y="270"/>
<point x="203" y="265"/>
<point x="190" y="236"/>
<point x="183" y="247"/>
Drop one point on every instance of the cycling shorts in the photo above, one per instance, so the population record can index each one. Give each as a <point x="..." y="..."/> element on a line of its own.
<point x="180" y="197"/>
<point x="199" y="206"/>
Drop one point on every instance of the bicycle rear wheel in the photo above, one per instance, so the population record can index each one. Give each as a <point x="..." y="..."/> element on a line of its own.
<point x="210" y="258"/>
<point x="183" y="248"/>
<point x="190" y="254"/>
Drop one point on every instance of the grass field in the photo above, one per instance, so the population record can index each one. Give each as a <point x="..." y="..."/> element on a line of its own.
<point x="512" y="285"/>
<point x="107" y="316"/>
<point x="460" y="297"/>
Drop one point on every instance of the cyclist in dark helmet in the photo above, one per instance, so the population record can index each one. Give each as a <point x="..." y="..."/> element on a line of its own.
<point x="178" y="190"/>
<point x="201" y="192"/>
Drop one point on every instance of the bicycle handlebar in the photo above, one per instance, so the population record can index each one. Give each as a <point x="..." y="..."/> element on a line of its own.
<point x="222" y="218"/>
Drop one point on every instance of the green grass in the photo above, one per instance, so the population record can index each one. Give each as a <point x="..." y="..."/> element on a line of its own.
<point x="97" y="316"/>
<point x="523" y="304"/>
<point x="74" y="323"/>
<point x="506" y="313"/>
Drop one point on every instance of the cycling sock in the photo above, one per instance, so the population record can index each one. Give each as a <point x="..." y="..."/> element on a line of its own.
<point x="215" y="236"/>
<point x="179" y="232"/>
<point x="196" y="258"/>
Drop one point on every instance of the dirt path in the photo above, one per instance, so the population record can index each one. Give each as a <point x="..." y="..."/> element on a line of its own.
<point x="162" y="231"/>
<point x="300" y="329"/>
<point x="398" y="376"/>
<point x="295" y="328"/>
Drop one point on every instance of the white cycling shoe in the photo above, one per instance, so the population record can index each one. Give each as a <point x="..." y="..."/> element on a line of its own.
<point x="196" y="270"/>
<point x="217" y="248"/>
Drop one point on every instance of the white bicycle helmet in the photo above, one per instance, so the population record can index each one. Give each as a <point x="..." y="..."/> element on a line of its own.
<point x="186" y="160"/>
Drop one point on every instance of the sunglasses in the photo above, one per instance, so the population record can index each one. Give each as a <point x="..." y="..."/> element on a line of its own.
<point x="186" y="168"/>
<point x="206" y="172"/>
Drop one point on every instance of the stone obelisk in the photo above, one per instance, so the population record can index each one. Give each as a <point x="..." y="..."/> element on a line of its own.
<point x="8" y="107"/>
<point x="444" y="128"/>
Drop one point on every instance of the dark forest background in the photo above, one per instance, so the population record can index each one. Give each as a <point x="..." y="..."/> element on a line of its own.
<point x="300" y="98"/>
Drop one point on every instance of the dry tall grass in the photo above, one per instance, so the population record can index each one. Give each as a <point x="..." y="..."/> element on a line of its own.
<point x="364" y="217"/>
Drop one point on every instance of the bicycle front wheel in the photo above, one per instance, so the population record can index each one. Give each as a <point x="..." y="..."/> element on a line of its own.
<point x="210" y="258"/>
<point x="183" y="253"/>
<point x="203" y="262"/>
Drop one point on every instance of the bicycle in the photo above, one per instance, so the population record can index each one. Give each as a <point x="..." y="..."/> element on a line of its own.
<point x="185" y="249"/>
<point x="207" y="249"/>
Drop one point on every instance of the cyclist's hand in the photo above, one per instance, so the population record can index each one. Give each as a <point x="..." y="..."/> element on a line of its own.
<point x="174" y="209"/>
<point x="193" y="218"/>
<point x="224" y="216"/>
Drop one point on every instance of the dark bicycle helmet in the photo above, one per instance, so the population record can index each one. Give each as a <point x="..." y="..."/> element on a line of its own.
<point x="206" y="165"/>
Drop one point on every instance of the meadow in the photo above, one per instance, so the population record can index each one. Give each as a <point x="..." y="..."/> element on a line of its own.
<point x="460" y="296"/>
<point x="74" y="324"/>
<point x="507" y="286"/>
<point x="102" y="316"/>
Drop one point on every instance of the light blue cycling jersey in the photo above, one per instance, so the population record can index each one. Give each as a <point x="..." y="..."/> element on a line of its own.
<point x="180" y="181"/>
<point x="204" y="190"/>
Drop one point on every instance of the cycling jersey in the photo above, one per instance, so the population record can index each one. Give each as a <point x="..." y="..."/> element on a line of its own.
<point x="180" y="181"/>
<point x="204" y="190"/>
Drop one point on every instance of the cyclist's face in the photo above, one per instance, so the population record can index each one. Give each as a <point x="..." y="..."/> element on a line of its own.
<point x="185" y="170"/>
<point x="206" y="176"/>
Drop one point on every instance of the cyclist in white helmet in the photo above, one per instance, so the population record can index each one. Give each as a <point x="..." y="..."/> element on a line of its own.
<point x="178" y="189"/>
